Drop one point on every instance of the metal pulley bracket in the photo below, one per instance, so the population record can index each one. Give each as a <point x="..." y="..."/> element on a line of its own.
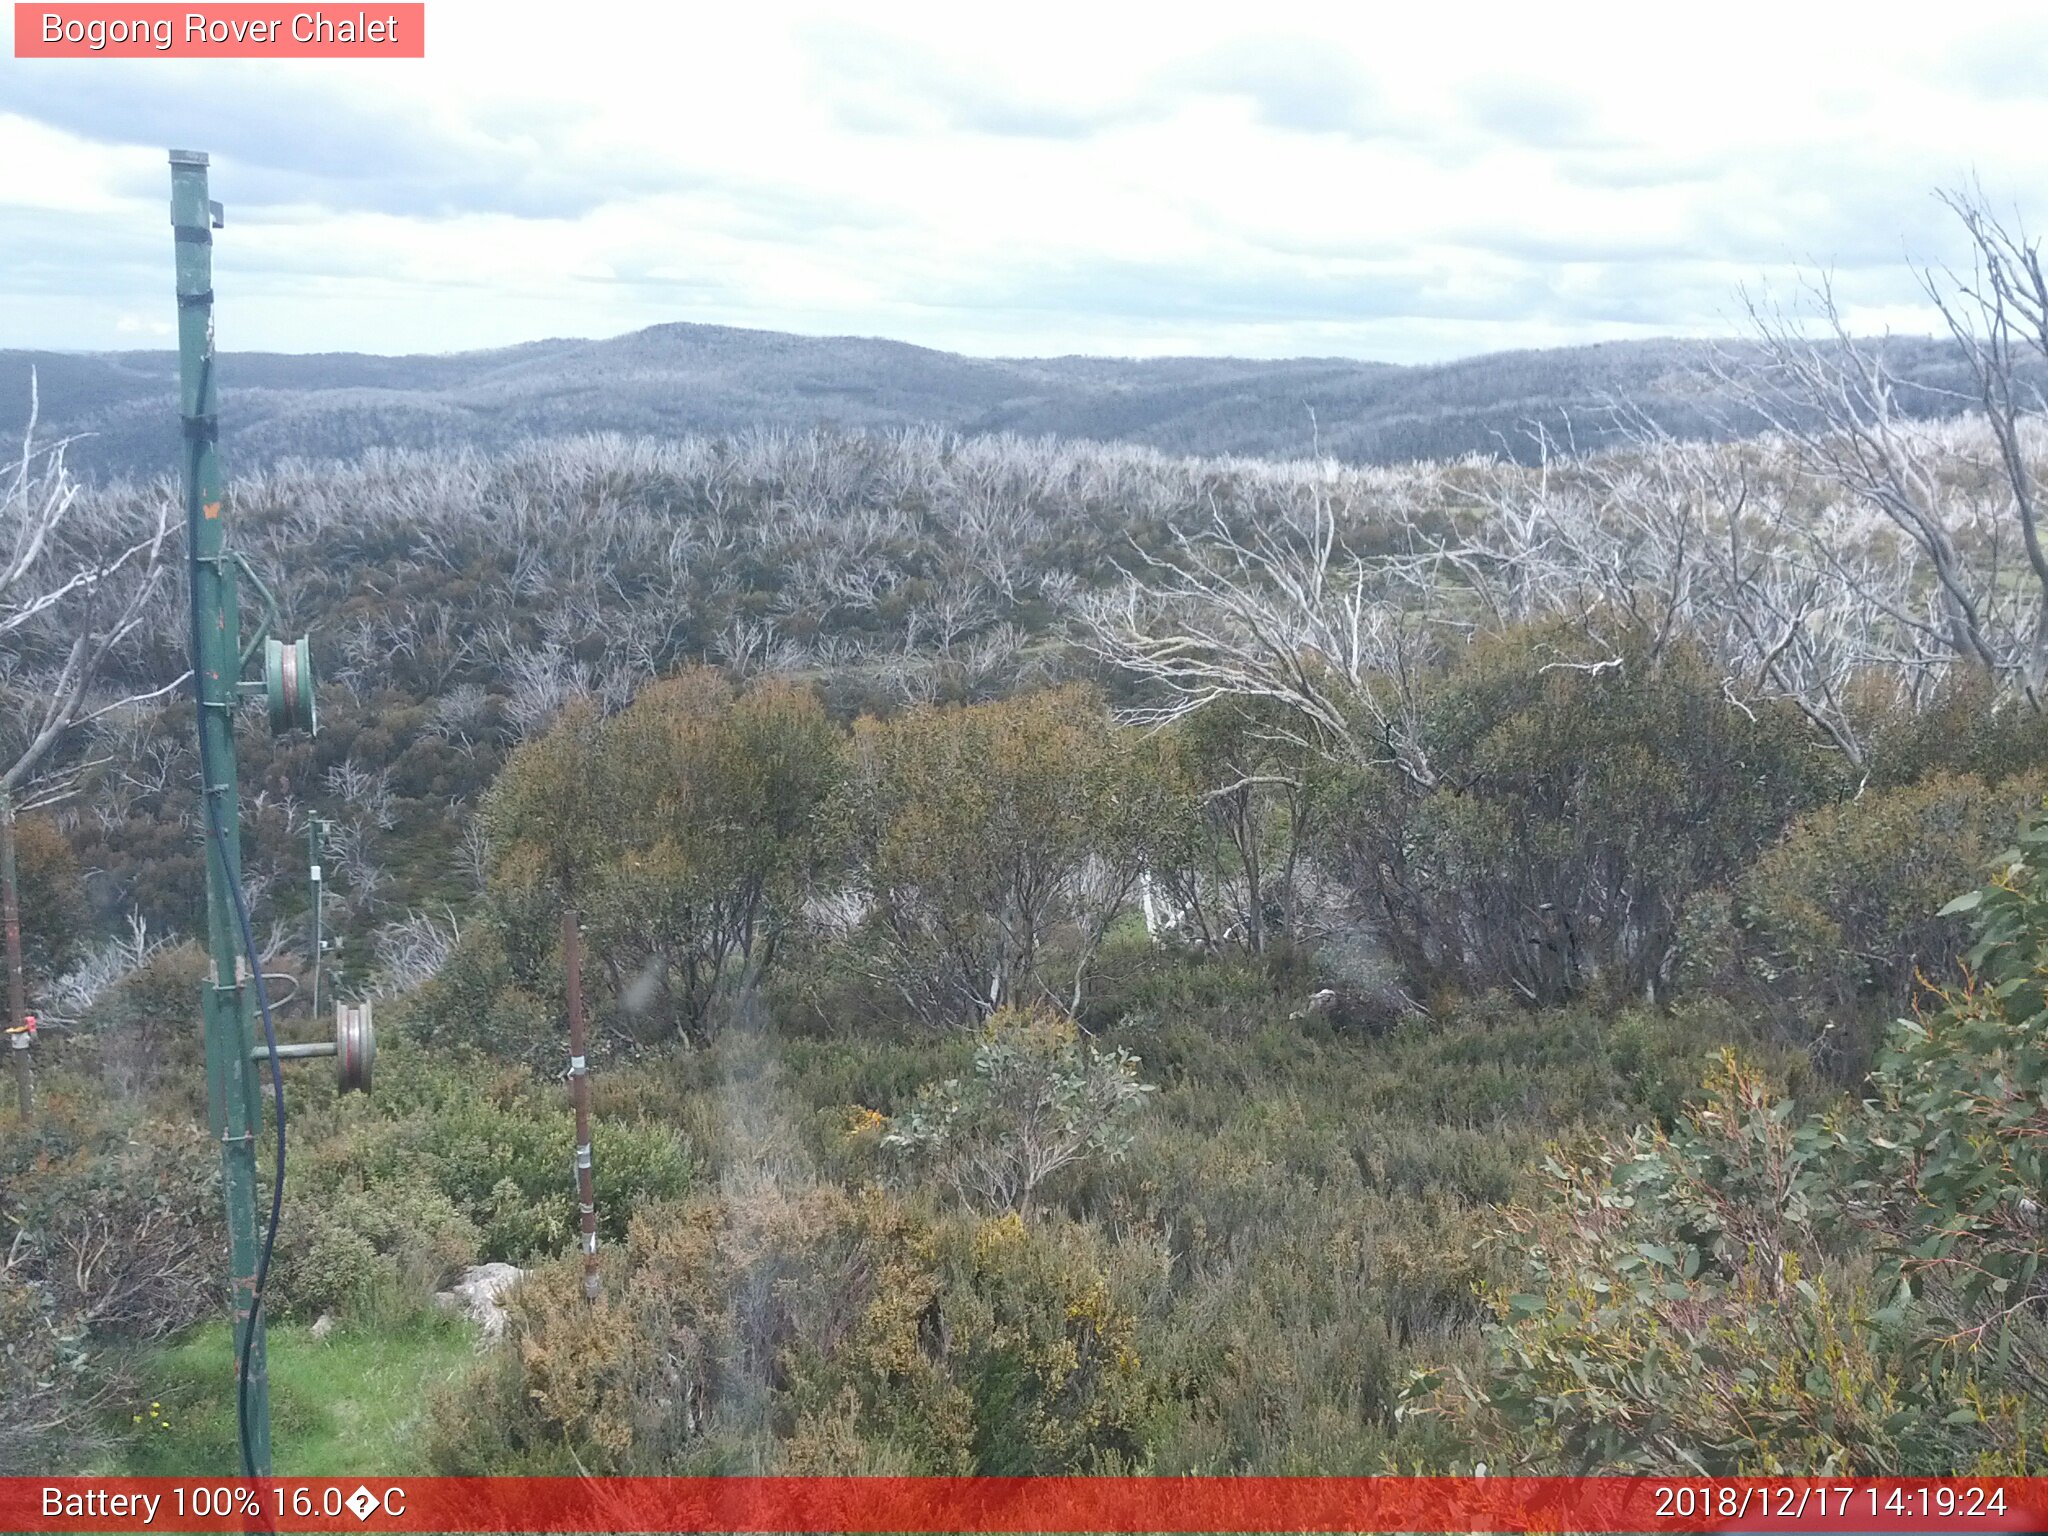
<point x="354" y="1048"/>
<point x="288" y="685"/>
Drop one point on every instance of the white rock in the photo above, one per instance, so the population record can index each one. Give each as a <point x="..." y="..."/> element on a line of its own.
<point x="478" y="1294"/>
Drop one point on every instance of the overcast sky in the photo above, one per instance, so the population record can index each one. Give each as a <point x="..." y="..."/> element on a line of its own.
<point x="1406" y="182"/>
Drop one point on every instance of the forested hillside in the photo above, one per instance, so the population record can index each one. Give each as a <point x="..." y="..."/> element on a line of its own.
<point x="1098" y="960"/>
<point x="697" y="379"/>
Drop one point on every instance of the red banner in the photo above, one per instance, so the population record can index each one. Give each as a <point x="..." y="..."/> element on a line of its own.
<point x="1026" y="1504"/>
<point x="230" y="31"/>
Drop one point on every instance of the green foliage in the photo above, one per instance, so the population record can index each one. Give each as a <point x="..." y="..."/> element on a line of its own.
<point x="110" y="1228"/>
<point x="1963" y="731"/>
<point x="1843" y="914"/>
<point x="52" y="902"/>
<point x="1285" y="1238"/>
<point x="1039" y="1098"/>
<point x="456" y="1144"/>
<point x="112" y="1212"/>
<point x="1757" y="1293"/>
<point x="732" y="795"/>
<point x="370" y="1251"/>
<point x="831" y="1332"/>
<point x="1951" y="1151"/>
<point x="1242" y="801"/>
<point x="983" y="833"/>
<point x="1583" y="795"/>
<point x="1031" y="1330"/>
<point x="722" y="1321"/>
<point x="547" y="815"/>
<point x="1240" y="1277"/>
<point x="144" y="1032"/>
<point x="688" y="828"/>
<point x="1677" y="1306"/>
<point x="1282" y="1240"/>
<point x="479" y="1001"/>
<point x="51" y="1392"/>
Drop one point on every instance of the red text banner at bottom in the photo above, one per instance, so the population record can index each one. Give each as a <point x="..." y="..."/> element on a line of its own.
<point x="1030" y="1504"/>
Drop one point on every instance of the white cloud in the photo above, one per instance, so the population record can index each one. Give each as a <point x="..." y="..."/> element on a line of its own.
<point x="1364" y="180"/>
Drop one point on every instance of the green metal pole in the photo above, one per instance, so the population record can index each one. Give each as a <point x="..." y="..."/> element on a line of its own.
<point x="233" y="1088"/>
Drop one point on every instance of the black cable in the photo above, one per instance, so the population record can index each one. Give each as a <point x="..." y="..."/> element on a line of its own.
<point x="241" y="908"/>
<point x="277" y="1179"/>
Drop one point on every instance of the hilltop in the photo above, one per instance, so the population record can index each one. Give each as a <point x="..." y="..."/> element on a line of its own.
<point x="672" y="379"/>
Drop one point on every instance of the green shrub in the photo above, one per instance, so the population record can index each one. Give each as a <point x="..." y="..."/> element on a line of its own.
<point x="689" y="828"/>
<point x="53" y="1391"/>
<point x="1841" y="919"/>
<point x="815" y="1331"/>
<point x="54" y="920"/>
<point x="1683" y="1304"/>
<point x="997" y="844"/>
<point x="1756" y="1293"/>
<point x="1224" y="996"/>
<point x="1582" y="797"/>
<point x="496" y="1143"/>
<point x="1038" y="1100"/>
<point x="145" y="1030"/>
<point x="110" y="1230"/>
<point x="116" y="1214"/>
<point x="1966" y="730"/>
<point x="1240" y="797"/>
<point x="1950" y="1150"/>
<point x="725" y="1322"/>
<point x="1031" y="1331"/>
<point x="376" y="1251"/>
<point x="477" y="1002"/>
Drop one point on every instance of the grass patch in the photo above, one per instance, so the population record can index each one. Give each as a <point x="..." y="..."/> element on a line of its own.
<point x="343" y="1406"/>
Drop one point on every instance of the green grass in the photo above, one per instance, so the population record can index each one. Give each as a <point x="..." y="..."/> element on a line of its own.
<point x="348" y="1405"/>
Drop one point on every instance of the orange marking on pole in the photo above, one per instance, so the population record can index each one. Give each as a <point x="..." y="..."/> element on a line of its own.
<point x="213" y="509"/>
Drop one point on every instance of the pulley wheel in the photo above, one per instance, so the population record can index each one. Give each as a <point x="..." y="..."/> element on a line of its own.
<point x="288" y="683"/>
<point x="355" y="1046"/>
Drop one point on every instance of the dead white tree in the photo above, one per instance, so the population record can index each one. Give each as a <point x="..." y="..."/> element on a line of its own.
<point x="72" y="589"/>
<point x="74" y="586"/>
<point x="1836" y="400"/>
<point x="412" y="950"/>
<point x="1998" y="315"/>
<point x="1976" y="597"/>
<point x="1278" y="607"/>
<point x="1699" y="541"/>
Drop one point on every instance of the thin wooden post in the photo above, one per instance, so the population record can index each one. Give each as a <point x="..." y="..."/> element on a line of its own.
<point x="17" y="985"/>
<point x="579" y="1093"/>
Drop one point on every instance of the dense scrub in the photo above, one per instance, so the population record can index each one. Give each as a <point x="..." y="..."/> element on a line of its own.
<point x="1757" y="1291"/>
<point x="458" y="602"/>
<point x="1020" y="1045"/>
<point x="1079" y="1179"/>
<point x="114" y="1233"/>
<point x="1578" y="806"/>
<point x="1242" y="1280"/>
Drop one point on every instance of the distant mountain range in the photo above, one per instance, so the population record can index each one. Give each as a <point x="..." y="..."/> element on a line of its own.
<point x="672" y="379"/>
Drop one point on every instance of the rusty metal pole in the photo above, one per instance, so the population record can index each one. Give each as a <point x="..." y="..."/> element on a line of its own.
<point x="579" y="1093"/>
<point x="17" y="987"/>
